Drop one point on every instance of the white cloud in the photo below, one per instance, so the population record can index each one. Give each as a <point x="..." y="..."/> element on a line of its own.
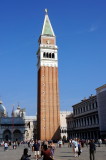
<point x="92" y="28"/>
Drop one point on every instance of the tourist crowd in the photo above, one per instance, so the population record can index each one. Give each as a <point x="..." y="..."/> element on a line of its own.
<point x="45" y="149"/>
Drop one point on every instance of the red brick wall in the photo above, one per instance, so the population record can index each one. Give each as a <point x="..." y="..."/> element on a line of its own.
<point x="48" y="104"/>
<point x="44" y="40"/>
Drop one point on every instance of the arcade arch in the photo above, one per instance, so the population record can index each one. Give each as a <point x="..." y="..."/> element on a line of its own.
<point x="7" y="135"/>
<point x="17" y="135"/>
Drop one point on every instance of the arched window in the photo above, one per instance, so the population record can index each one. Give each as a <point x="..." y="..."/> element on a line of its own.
<point x="49" y="55"/>
<point x="7" y="135"/>
<point x="17" y="135"/>
<point x="44" y="54"/>
<point x="53" y="55"/>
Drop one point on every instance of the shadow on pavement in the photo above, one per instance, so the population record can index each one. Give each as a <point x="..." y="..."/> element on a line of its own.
<point x="66" y="156"/>
<point x="66" y="152"/>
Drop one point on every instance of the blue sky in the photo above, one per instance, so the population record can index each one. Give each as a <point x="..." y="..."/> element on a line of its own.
<point x="80" y="29"/>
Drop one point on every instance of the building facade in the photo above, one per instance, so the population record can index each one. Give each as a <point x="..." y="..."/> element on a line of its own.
<point x="101" y="100"/>
<point x="17" y="127"/>
<point x="63" y="124"/>
<point x="24" y="128"/>
<point x="88" y="118"/>
<point x="48" y="109"/>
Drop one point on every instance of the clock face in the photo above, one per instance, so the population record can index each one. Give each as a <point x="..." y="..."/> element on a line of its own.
<point x="48" y="41"/>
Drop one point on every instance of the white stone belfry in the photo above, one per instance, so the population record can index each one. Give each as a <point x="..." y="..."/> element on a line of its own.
<point x="48" y="50"/>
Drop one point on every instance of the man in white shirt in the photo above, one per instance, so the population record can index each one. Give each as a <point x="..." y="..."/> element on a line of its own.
<point x="75" y="147"/>
<point x="5" y="146"/>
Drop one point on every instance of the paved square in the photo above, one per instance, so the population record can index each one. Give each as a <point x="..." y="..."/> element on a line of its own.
<point x="60" y="153"/>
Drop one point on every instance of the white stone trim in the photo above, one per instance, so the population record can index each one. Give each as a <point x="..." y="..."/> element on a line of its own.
<point x="44" y="61"/>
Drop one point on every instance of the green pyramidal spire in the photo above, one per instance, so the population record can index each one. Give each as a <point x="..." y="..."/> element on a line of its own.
<point x="47" y="27"/>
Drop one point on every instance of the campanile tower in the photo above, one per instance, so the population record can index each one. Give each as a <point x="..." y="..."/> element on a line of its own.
<point x="48" y="109"/>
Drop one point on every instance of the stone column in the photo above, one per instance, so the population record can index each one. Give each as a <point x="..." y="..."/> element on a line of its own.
<point x="82" y="121"/>
<point x="86" y="121"/>
<point x="93" y="120"/>
<point x="96" y="119"/>
<point x="89" y="121"/>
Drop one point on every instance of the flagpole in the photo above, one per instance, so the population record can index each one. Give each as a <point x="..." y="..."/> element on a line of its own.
<point x="12" y="122"/>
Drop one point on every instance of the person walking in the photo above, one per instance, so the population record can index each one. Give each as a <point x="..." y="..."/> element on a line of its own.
<point x="75" y="147"/>
<point x="14" y="145"/>
<point x="79" y="148"/>
<point x="60" y="143"/>
<point x="6" y="146"/>
<point x="52" y="149"/>
<point x="92" y="149"/>
<point x="32" y="143"/>
<point x="36" y="148"/>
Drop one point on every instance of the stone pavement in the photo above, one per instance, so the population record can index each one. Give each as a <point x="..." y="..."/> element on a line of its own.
<point x="60" y="153"/>
<point x="67" y="154"/>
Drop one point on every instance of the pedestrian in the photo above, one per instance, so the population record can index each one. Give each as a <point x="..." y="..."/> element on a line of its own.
<point x="36" y="147"/>
<point x="60" y="143"/>
<point x="92" y="149"/>
<point x="75" y="147"/>
<point x="82" y="143"/>
<point x="32" y="143"/>
<point x="29" y="145"/>
<point x="52" y="149"/>
<point x="70" y="142"/>
<point x="25" y="155"/>
<point x="6" y="146"/>
<point x="14" y="145"/>
<point x="87" y="142"/>
<point x="63" y="141"/>
<point x="79" y="148"/>
<point x="18" y="143"/>
<point x="9" y="143"/>
<point x="46" y="153"/>
<point x="46" y="142"/>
